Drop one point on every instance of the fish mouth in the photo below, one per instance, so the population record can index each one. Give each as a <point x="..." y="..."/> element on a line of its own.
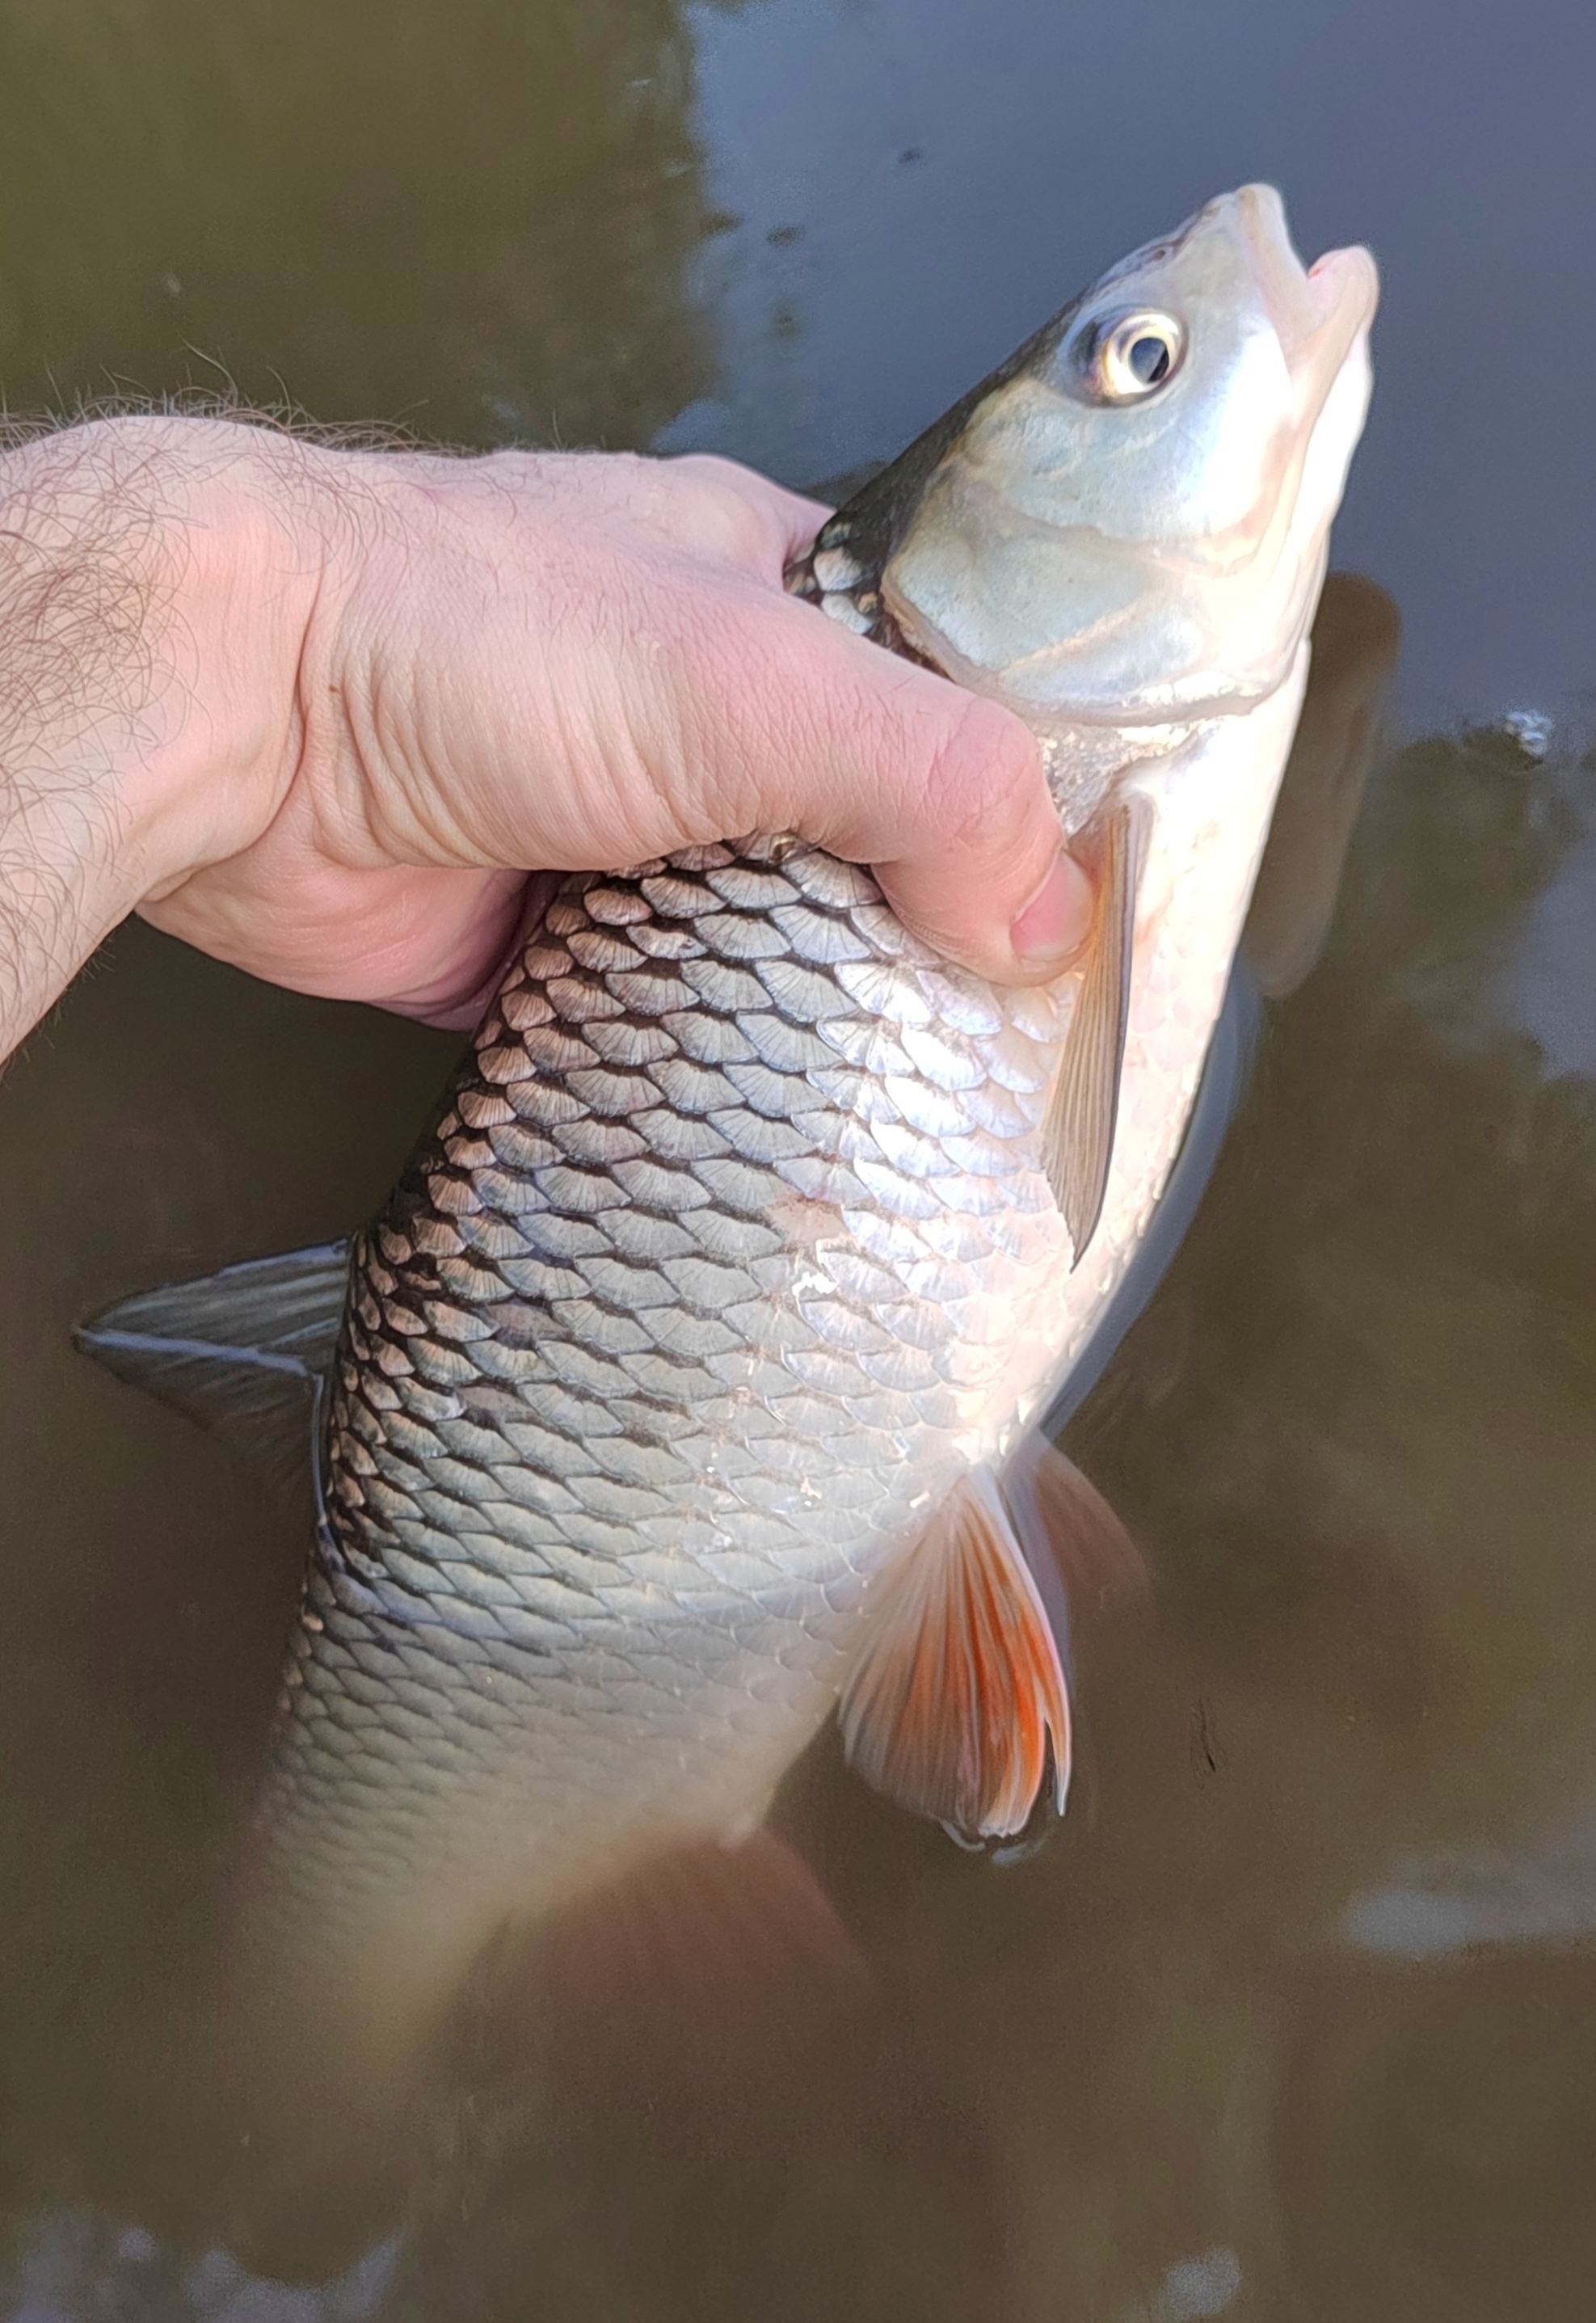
<point x="1319" y="312"/>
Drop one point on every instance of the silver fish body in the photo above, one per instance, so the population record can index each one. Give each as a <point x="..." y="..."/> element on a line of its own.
<point x="739" y="1250"/>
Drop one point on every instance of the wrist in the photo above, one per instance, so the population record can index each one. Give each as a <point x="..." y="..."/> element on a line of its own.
<point x="157" y="578"/>
<point x="222" y="554"/>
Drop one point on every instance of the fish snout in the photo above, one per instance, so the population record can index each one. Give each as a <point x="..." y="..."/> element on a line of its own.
<point x="1317" y="311"/>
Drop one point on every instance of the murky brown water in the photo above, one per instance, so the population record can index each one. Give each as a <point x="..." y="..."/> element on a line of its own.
<point x="1293" y="2020"/>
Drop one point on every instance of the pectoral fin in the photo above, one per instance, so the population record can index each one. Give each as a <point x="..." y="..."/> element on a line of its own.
<point x="958" y="1697"/>
<point x="1077" y="1134"/>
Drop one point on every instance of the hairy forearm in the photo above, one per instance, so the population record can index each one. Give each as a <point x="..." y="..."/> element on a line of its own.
<point x="151" y="596"/>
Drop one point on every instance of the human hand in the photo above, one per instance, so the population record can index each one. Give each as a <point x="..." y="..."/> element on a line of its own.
<point x="362" y="695"/>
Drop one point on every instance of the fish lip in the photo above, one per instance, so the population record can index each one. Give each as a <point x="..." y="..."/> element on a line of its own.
<point x="1317" y="311"/>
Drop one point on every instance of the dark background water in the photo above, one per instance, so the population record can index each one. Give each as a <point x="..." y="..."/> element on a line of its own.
<point x="1294" y="2017"/>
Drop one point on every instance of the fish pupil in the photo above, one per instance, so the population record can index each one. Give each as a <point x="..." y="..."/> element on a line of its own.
<point x="1148" y="359"/>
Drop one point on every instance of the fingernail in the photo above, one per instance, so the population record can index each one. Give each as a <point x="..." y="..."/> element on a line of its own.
<point x="1055" y="923"/>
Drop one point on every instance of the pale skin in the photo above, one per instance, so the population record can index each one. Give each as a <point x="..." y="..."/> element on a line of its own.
<point x="322" y="712"/>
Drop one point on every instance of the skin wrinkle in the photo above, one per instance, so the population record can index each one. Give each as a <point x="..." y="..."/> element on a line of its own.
<point x="390" y="731"/>
<point x="314" y="691"/>
<point x="602" y="604"/>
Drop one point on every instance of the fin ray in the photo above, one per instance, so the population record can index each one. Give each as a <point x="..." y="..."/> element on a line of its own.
<point x="1077" y="1134"/>
<point x="957" y="1697"/>
<point x="242" y="1351"/>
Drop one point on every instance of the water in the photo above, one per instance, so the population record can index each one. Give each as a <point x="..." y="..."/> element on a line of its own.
<point x="1293" y="2018"/>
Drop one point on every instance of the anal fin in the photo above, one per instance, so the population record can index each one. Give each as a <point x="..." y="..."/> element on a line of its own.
<point x="957" y="1700"/>
<point x="1077" y="1134"/>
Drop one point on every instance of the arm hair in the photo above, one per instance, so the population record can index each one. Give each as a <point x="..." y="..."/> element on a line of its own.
<point x="94" y="560"/>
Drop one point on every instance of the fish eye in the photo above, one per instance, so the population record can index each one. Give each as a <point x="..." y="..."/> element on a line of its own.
<point x="1134" y="354"/>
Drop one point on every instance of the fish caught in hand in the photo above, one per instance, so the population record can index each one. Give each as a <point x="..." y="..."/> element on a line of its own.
<point x="687" y="1386"/>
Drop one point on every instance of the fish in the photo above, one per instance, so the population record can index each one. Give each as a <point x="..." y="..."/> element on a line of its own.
<point x="686" y="1390"/>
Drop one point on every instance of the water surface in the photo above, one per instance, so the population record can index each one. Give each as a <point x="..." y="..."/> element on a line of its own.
<point x="1292" y="2019"/>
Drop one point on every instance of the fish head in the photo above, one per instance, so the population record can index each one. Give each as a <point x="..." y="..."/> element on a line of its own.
<point x="1128" y="523"/>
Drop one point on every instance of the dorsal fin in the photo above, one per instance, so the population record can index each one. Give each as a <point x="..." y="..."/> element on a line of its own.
<point x="242" y="1352"/>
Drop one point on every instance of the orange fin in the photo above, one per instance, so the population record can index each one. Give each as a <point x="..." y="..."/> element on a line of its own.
<point x="957" y="1694"/>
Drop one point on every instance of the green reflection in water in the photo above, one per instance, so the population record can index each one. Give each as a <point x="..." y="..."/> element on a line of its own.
<point x="473" y="218"/>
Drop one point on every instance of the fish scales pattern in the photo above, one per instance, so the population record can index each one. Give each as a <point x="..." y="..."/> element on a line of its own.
<point x="730" y="1251"/>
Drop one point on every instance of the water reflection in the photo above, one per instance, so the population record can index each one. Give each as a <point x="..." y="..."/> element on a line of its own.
<point x="77" y="2267"/>
<point x="475" y="218"/>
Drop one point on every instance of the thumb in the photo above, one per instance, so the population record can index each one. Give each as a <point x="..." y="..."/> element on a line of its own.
<point x="967" y="845"/>
<point x="887" y="763"/>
